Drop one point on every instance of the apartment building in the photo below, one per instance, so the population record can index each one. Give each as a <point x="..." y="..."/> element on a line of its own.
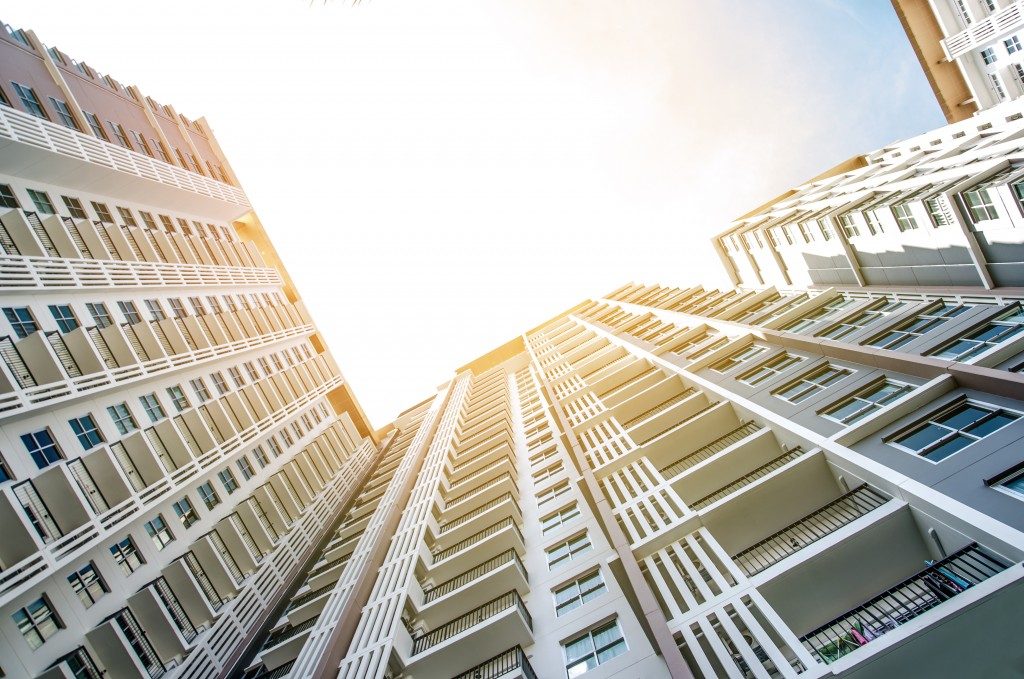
<point x="175" y="439"/>
<point x="970" y="50"/>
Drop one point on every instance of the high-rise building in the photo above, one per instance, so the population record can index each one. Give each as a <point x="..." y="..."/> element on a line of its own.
<point x="175" y="437"/>
<point x="816" y="473"/>
<point x="970" y="50"/>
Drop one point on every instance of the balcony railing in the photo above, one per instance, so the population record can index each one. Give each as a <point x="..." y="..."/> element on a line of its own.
<point x="500" y="665"/>
<point x="469" y="516"/>
<point x="175" y="609"/>
<point x="664" y="405"/>
<point x="508" y="556"/>
<point x="483" y="486"/>
<point x="201" y="576"/>
<point x="309" y="596"/>
<point x="489" y="610"/>
<point x="477" y="537"/>
<point x="718" y="445"/>
<point x="810" y="529"/>
<point x="139" y="642"/>
<point x="747" y="479"/>
<point x="678" y="424"/>
<point x="277" y="673"/>
<point x="281" y="636"/>
<point x="458" y="485"/>
<point x="631" y="381"/>
<point x="81" y="664"/>
<point x="911" y="598"/>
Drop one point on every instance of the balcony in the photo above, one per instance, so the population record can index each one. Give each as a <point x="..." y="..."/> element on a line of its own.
<point x="486" y="544"/>
<point x="482" y="493"/>
<point x="747" y="479"/>
<point x="75" y="665"/>
<point x="709" y="450"/>
<point x="159" y="612"/>
<point x="473" y="587"/>
<point x="618" y="392"/>
<point x="471" y="638"/>
<point x="507" y="665"/>
<point x="463" y="526"/>
<point x="283" y="645"/>
<point x="119" y="641"/>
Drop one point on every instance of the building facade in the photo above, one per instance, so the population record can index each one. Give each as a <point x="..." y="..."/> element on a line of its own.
<point x="176" y="440"/>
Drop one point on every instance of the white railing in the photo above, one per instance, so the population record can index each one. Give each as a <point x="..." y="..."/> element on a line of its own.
<point x="984" y="31"/>
<point x="43" y="134"/>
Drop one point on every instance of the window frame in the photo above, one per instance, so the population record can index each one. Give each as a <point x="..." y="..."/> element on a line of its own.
<point x="931" y="419"/>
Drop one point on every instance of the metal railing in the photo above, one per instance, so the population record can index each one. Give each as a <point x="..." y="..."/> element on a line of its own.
<point x="483" y="486"/>
<point x="469" y="516"/>
<point x="678" y="424"/>
<point x="201" y="577"/>
<point x="764" y="470"/>
<point x="500" y="665"/>
<point x="489" y="468"/>
<point x="287" y="633"/>
<point x="448" y="586"/>
<point x="174" y="609"/>
<point x="664" y="405"/>
<point x="704" y="452"/>
<point x="811" y="528"/>
<point x="477" y="537"/>
<point x="628" y="383"/>
<point x="139" y="642"/>
<point x="81" y="664"/>
<point x="489" y="610"/>
<point x="309" y="596"/>
<point x="916" y="595"/>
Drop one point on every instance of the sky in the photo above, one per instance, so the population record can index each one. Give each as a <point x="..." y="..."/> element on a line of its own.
<point x="441" y="176"/>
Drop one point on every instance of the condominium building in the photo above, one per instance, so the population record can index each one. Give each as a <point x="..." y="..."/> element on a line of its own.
<point x="175" y="438"/>
<point x="970" y="50"/>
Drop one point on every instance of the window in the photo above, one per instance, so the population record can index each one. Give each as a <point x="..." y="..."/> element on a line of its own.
<point x="261" y="456"/>
<point x="177" y="308"/>
<point x="155" y="310"/>
<point x="64" y="316"/>
<point x="21" y="321"/>
<point x="910" y="330"/>
<point x="199" y="387"/>
<point x="873" y="222"/>
<point x="122" y="418"/>
<point x="64" y="113"/>
<point x="74" y="207"/>
<point x="99" y="313"/>
<point x="42" y="202"/>
<point x="141" y="142"/>
<point x="127" y="556"/>
<point x="37" y="622"/>
<point x="585" y="588"/>
<point x="811" y="383"/>
<point x="997" y="86"/>
<point x="250" y="368"/>
<point x="126" y="216"/>
<point x="87" y="584"/>
<point x="1012" y="44"/>
<point x="147" y="219"/>
<point x="1014" y="484"/>
<point x="866" y="402"/>
<point x="904" y="217"/>
<point x="817" y="317"/>
<point x="208" y="495"/>
<point x="850" y="227"/>
<point x="3" y="98"/>
<point x="937" y="212"/>
<point x="551" y="493"/>
<point x="7" y="198"/>
<point x="559" y="518"/>
<point x="826" y="230"/>
<point x="980" y="340"/>
<point x="42" y="448"/>
<point x="860" y="320"/>
<point x="177" y="397"/>
<point x="593" y="648"/>
<point x="29" y="100"/>
<point x="980" y="206"/>
<point x="120" y="135"/>
<point x="159" y="531"/>
<point x="769" y="369"/>
<point x="130" y="312"/>
<point x="275" y="448"/>
<point x="738" y="358"/>
<point x="219" y="383"/>
<point x="183" y="508"/>
<point x="102" y="212"/>
<point x="952" y="429"/>
<point x="94" y="123"/>
<point x="227" y="479"/>
<point x="564" y="552"/>
<point x="236" y="377"/>
<point x="988" y="55"/>
<point x="245" y="467"/>
<point x="86" y="430"/>
<point x="152" y="407"/>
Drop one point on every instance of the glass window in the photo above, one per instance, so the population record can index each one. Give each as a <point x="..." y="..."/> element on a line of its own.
<point x="94" y="123"/>
<point x="126" y="216"/>
<point x="119" y="135"/>
<point x="559" y="518"/>
<point x="42" y="202"/>
<point x="874" y="222"/>
<point x="74" y="207"/>
<point x="866" y="401"/>
<point x="7" y="198"/>
<point x="980" y="340"/>
<point x="909" y="330"/>
<point x="177" y="397"/>
<point x="980" y="205"/>
<point x="809" y="384"/>
<point x="99" y="313"/>
<point x="127" y="556"/>
<point x="122" y="418"/>
<point x="738" y="358"/>
<point x="208" y="495"/>
<point x="593" y="648"/>
<point x="952" y="429"/>
<point x="227" y="479"/>
<point x="37" y="622"/>
<point x="102" y="212"/>
<point x="159" y="531"/>
<point x="1012" y="44"/>
<point x="64" y="316"/>
<point x="245" y="467"/>
<point x="219" y="383"/>
<point x="904" y="217"/>
<point x="260" y="456"/>
<point x="177" y="308"/>
<point x="578" y="592"/>
<point x="87" y="584"/>
<point x="183" y="508"/>
<point x="155" y="310"/>
<point x="152" y="407"/>
<point x="988" y="55"/>
<point x="937" y="212"/>
<point x="64" y="113"/>
<point x="130" y="312"/>
<point x="21" y="320"/>
<point x="564" y="552"/>
<point x="236" y="376"/>
<point x="199" y="387"/>
<point x="29" y="100"/>
<point x="42" y="448"/>
<point x="997" y="86"/>
<point x="86" y="430"/>
<point x="769" y="369"/>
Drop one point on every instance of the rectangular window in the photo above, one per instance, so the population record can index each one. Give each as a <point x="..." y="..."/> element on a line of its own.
<point x="199" y="387"/>
<point x="551" y="493"/>
<point x="980" y="205"/>
<point x="219" y="383"/>
<point x="130" y="312"/>
<point x="126" y="216"/>
<point x="42" y="448"/>
<point x="87" y="584"/>
<point x="64" y="113"/>
<point x="42" y="202"/>
<point x="227" y="479"/>
<point x="99" y="313"/>
<point x="74" y="207"/>
<point x="236" y="377"/>
<point x="593" y="648"/>
<point x="37" y="622"/>
<point x="260" y="456"/>
<point x="585" y="588"/>
<point x="21" y="320"/>
<point x="65" y="318"/>
<point x="155" y="310"/>
<point x="119" y="135"/>
<point x="141" y="143"/>
<point x="850" y="227"/>
<point x="152" y="407"/>
<point x="909" y="330"/>
<point x="178" y="398"/>
<point x="183" y="508"/>
<point x="127" y="556"/>
<point x="564" y="552"/>
<point x="177" y="308"/>
<point x="86" y="430"/>
<point x="159" y="531"/>
<point x="245" y="467"/>
<point x="738" y="358"/>
<point x="7" y="197"/>
<point x="102" y="212"/>
<point x="559" y="518"/>
<point x="809" y="384"/>
<point x="980" y="340"/>
<point x="147" y="219"/>
<point x="97" y="128"/>
<point x="904" y="217"/>
<point x="936" y="212"/>
<point x="29" y="100"/>
<point x="1012" y="44"/>
<point x="769" y="369"/>
<point x="988" y="55"/>
<point x="866" y="402"/>
<point x="208" y="495"/>
<point x="874" y="222"/>
<point x="997" y="86"/>
<point x="952" y="429"/>
<point x="122" y="418"/>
